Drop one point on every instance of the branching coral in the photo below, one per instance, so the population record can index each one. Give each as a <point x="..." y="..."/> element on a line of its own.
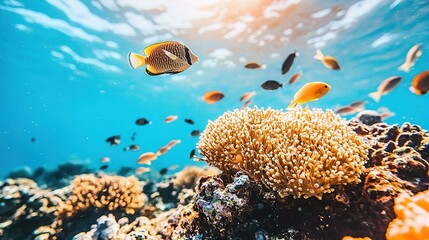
<point x="302" y="153"/>
<point x="412" y="217"/>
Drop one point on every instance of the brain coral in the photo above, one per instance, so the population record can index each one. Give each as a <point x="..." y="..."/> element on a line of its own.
<point x="302" y="153"/>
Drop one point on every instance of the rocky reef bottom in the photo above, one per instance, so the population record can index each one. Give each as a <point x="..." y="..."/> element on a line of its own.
<point x="390" y="202"/>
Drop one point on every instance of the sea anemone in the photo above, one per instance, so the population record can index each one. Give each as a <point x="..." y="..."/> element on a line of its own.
<point x="302" y="153"/>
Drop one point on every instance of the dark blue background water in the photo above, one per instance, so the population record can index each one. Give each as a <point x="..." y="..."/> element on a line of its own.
<point x="65" y="78"/>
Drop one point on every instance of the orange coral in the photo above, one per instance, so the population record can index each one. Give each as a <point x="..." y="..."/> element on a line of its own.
<point x="412" y="221"/>
<point x="188" y="177"/>
<point x="300" y="153"/>
<point x="112" y="192"/>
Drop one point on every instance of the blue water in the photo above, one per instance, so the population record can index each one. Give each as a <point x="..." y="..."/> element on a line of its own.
<point x="65" y="78"/>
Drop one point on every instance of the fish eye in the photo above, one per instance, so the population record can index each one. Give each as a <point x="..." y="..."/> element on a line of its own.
<point x="326" y="86"/>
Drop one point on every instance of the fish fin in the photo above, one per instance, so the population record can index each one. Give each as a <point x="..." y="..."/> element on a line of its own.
<point x="149" y="49"/>
<point x="416" y="91"/>
<point x="171" y="55"/>
<point x="296" y="54"/>
<point x="292" y="104"/>
<point x="405" y="67"/>
<point x="306" y="108"/>
<point x="152" y="73"/>
<point x="419" y="53"/>
<point x="319" y="55"/>
<point x="375" y="95"/>
<point x="136" y="60"/>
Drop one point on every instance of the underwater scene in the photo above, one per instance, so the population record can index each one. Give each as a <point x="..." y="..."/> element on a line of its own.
<point x="214" y="119"/>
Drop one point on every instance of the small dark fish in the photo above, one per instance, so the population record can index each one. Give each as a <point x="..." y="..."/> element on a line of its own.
<point x="288" y="62"/>
<point x="126" y="149"/>
<point x="357" y="104"/>
<point x="33" y="139"/>
<point x="114" y="140"/>
<point x="133" y="137"/>
<point x="134" y="147"/>
<point x="104" y="167"/>
<point x="192" y="154"/>
<point x="195" y="133"/>
<point x="254" y="65"/>
<point x="142" y="121"/>
<point x="163" y="171"/>
<point x="294" y="78"/>
<point x="189" y="121"/>
<point x="271" y="85"/>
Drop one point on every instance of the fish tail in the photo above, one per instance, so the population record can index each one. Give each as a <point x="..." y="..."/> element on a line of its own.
<point x="319" y="55"/>
<point x="292" y="104"/>
<point x="136" y="60"/>
<point x="264" y="66"/>
<point x="415" y="91"/>
<point x="375" y="95"/>
<point x="405" y="67"/>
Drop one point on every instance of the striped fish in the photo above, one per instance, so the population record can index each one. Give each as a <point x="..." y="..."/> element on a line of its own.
<point x="164" y="57"/>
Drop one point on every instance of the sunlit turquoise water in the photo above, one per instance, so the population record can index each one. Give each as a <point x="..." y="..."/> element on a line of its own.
<point x="66" y="80"/>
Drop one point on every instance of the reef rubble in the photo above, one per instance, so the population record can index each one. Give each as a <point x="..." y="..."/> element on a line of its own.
<point x="384" y="202"/>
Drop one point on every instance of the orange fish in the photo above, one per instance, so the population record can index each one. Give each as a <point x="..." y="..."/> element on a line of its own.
<point x="420" y="83"/>
<point x="211" y="97"/>
<point x="247" y="96"/>
<point x="329" y="61"/>
<point x="105" y="159"/>
<point x="311" y="91"/>
<point x="295" y="78"/>
<point x="253" y="65"/>
<point x="171" y="118"/>
<point x="147" y="158"/>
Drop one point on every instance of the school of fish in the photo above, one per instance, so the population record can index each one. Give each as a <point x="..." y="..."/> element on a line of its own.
<point x="173" y="57"/>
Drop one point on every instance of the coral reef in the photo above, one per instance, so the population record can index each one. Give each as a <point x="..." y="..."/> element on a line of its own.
<point x="412" y="221"/>
<point x="300" y="153"/>
<point x="24" y="207"/>
<point x="94" y="196"/>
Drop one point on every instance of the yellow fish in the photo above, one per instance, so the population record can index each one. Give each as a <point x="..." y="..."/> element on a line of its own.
<point x="311" y="91"/>
<point x="164" y="57"/>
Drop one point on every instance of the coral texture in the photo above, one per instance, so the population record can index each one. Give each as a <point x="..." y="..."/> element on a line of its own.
<point x="302" y="153"/>
<point x="94" y="196"/>
<point x="412" y="221"/>
<point x="188" y="177"/>
<point x="24" y="206"/>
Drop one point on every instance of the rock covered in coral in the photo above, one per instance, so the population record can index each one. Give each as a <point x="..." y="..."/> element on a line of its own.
<point x="368" y="117"/>
<point x="24" y="207"/>
<point x="398" y="159"/>
<point x="299" y="153"/>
